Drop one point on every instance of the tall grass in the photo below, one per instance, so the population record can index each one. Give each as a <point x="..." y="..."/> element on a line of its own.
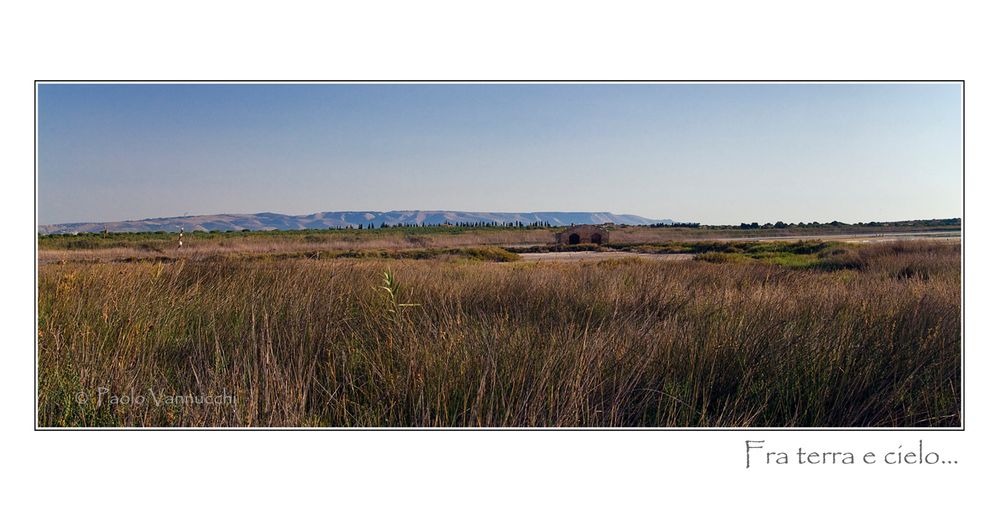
<point x="871" y="339"/>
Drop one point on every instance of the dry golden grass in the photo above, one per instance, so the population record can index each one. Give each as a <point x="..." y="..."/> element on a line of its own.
<point x="237" y="244"/>
<point x="871" y="338"/>
<point x="200" y="245"/>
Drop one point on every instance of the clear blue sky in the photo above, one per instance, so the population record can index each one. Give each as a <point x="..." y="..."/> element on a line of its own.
<point x="712" y="153"/>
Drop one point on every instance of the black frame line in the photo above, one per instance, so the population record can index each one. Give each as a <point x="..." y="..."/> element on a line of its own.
<point x="962" y="428"/>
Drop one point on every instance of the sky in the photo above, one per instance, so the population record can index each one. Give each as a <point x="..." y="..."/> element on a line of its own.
<point x="719" y="153"/>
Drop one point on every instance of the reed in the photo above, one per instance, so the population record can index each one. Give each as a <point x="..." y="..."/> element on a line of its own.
<point x="869" y="338"/>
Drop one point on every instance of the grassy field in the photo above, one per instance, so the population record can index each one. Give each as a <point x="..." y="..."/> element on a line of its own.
<point x="430" y="242"/>
<point x="804" y="335"/>
<point x="434" y="236"/>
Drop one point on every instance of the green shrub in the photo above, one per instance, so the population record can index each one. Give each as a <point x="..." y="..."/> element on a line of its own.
<point x="495" y="254"/>
<point x="721" y="257"/>
<point x="82" y="244"/>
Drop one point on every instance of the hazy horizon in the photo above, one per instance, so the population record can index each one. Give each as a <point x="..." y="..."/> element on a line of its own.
<point x="618" y="213"/>
<point x="709" y="153"/>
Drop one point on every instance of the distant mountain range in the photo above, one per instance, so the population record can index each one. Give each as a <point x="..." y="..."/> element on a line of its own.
<point x="275" y="221"/>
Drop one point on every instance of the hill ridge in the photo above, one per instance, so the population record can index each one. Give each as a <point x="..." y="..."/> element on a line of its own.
<point x="334" y="219"/>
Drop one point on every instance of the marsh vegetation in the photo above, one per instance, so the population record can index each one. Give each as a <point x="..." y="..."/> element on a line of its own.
<point x="808" y="335"/>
